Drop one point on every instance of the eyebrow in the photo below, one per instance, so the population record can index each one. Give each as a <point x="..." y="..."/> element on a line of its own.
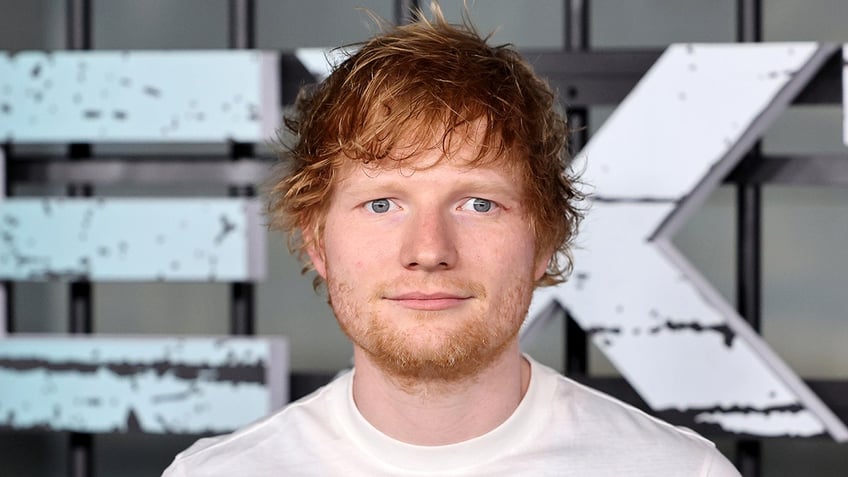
<point x="393" y="185"/>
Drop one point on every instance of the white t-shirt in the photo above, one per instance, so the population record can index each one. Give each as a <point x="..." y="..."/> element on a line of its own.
<point x="560" y="428"/>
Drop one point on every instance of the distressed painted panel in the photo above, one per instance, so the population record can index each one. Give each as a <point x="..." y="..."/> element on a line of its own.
<point x="687" y="113"/>
<point x="669" y="144"/>
<point x="140" y="384"/>
<point x="106" y="239"/>
<point x="139" y="96"/>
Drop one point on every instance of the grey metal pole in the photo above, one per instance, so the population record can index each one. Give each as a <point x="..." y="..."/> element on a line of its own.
<point x="577" y="21"/>
<point x="576" y="39"/>
<point x="78" y="30"/>
<point x="242" y="24"/>
<point x="242" y="294"/>
<point x="405" y="11"/>
<point x="80" y="445"/>
<point x="6" y="286"/>
<point x="748" y="236"/>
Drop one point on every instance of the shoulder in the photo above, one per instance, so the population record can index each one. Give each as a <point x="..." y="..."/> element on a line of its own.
<point x="597" y="413"/>
<point x="622" y="436"/>
<point x="266" y="444"/>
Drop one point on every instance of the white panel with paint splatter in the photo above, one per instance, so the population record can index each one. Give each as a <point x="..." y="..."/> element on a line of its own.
<point x="692" y="117"/>
<point x="139" y="96"/>
<point x="211" y="239"/>
<point x="684" y="115"/>
<point x="156" y="385"/>
<point x="772" y="424"/>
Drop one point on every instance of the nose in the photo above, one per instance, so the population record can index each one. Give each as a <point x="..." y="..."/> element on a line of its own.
<point x="429" y="242"/>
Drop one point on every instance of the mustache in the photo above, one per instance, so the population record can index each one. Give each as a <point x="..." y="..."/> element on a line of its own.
<point x="452" y="286"/>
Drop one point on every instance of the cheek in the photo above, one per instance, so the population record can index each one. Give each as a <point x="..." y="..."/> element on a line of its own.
<point x="351" y="251"/>
<point x="502" y="252"/>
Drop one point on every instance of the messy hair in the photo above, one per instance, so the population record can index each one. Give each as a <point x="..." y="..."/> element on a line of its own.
<point x="411" y="88"/>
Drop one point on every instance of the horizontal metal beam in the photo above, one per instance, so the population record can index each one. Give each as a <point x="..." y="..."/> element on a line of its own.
<point x="124" y="384"/>
<point x="135" y="171"/>
<point x="597" y="77"/>
<point x="606" y="76"/>
<point x="118" y="239"/>
<point x="799" y="169"/>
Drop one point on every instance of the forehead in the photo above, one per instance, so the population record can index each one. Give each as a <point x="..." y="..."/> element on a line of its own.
<point x="469" y="145"/>
<point x="464" y="163"/>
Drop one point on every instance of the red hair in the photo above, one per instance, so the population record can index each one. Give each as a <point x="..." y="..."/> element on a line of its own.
<point x="410" y="88"/>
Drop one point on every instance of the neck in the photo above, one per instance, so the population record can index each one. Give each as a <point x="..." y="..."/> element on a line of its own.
<point x="439" y="413"/>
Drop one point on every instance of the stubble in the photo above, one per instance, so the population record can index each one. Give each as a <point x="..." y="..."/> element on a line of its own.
<point x="436" y="347"/>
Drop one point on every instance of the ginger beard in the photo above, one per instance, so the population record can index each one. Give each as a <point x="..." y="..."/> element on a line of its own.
<point x="433" y="346"/>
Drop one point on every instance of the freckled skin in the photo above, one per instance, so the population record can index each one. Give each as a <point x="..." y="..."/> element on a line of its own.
<point x="432" y="284"/>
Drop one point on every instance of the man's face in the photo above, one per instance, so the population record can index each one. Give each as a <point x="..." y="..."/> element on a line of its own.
<point x="430" y="268"/>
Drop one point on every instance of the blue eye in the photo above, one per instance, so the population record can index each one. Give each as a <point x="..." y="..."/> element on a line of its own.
<point x="378" y="206"/>
<point x="478" y="205"/>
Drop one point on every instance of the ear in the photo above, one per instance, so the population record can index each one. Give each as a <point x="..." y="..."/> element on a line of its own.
<point x="542" y="262"/>
<point x="315" y="250"/>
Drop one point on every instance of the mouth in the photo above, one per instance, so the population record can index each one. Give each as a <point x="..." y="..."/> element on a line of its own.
<point x="428" y="301"/>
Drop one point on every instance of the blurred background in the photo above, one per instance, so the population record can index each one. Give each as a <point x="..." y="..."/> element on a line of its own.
<point x="804" y="228"/>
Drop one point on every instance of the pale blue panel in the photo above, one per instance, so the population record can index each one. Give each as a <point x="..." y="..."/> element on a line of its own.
<point x="210" y="239"/>
<point x="139" y="96"/>
<point x="140" y="384"/>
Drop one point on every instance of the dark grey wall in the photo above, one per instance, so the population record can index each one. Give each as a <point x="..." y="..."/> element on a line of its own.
<point x="804" y="230"/>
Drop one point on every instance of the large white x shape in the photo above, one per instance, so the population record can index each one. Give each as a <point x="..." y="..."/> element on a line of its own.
<point x="693" y="116"/>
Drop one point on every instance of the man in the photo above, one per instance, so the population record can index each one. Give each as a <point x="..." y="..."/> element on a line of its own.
<point x="426" y="188"/>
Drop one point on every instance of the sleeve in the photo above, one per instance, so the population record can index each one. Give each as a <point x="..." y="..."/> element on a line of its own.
<point x="176" y="469"/>
<point x="717" y="465"/>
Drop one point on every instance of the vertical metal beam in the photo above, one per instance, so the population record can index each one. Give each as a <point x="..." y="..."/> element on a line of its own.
<point x="81" y="455"/>
<point x="748" y="290"/>
<point x="80" y="446"/>
<point x="242" y="24"/>
<point x="749" y="22"/>
<point x="7" y="293"/>
<point x="576" y="39"/>
<point x="80" y="312"/>
<point x="5" y="180"/>
<point x="80" y="320"/>
<point x="577" y="21"/>
<point x="576" y="340"/>
<point x="748" y="251"/>
<point x="576" y="348"/>
<point x="6" y="287"/>
<point x="242" y="315"/>
<point x="748" y="457"/>
<point x="242" y="16"/>
<point x="405" y="11"/>
<point x="242" y="294"/>
<point x="78" y="24"/>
